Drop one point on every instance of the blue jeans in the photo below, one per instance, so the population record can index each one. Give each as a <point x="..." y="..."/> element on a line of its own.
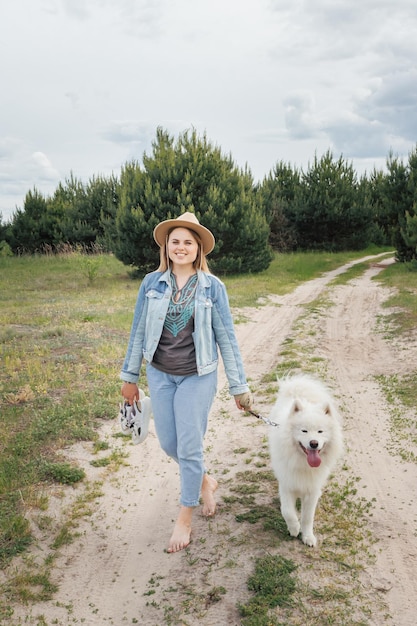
<point x="180" y="407"/>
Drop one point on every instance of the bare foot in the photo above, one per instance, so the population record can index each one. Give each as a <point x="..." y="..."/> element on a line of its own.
<point x="181" y="535"/>
<point x="208" y="489"/>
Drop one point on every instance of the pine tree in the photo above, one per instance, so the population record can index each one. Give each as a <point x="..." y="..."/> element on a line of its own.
<point x="327" y="212"/>
<point x="31" y="229"/>
<point x="278" y="192"/>
<point x="190" y="174"/>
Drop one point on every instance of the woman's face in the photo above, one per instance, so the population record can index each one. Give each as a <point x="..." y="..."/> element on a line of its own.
<point x="182" y="247"/>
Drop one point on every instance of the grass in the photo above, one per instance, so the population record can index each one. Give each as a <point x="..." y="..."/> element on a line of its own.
<point x="64" y="325"/>
<point x="285" y="273"/>
<point x="399" y="324"/>
<point x="272" y="585"/>
<point x="60" y="348"/>
<point x="401" y="278"/>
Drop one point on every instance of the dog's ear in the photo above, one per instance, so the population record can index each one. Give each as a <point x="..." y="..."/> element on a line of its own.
<point x="296" y="407"/>
<point x="328" y="410"/>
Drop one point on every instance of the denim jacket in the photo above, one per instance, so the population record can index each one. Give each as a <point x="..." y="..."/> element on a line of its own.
<point x="213" y="326"/>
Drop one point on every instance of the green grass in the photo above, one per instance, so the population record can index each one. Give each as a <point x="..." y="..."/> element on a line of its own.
<point x="285" y="273"/>
<point x="401" y="390"/>
<point x="61" y="344"/>
<point x="272" y="585"/>
<point x="63" y="332"/>
<point x="402" y="278"/>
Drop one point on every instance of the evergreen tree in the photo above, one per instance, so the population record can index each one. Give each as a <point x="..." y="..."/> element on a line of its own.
<point x="327" y="210"/>
<point x="5" y="238"/>
<point x="31" y="228"/>
<point x="85" y="214"/>
<point x="278" y="192"/>
<point x="409" y="233"/>
<point x="398" y="200"/>
<point x="190" y="174"/>
<point x="383" y="217"/>
<point x="104" y="195"/>
<point x="3" y="229"/>
<point x="411" y="215"/>
<point x="71" y="208"/>
<point x="366" y="199"/>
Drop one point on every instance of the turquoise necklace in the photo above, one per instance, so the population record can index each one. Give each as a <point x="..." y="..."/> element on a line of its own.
<point x="181" y="305"/>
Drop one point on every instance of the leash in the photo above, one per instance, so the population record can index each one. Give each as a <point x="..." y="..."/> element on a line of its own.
<point x="264" y="419"/>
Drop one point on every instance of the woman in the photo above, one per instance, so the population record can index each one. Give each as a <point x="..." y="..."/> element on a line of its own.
<point x="182" y="316"/>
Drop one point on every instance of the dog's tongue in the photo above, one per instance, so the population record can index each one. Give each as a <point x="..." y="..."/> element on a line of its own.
<point x="313" y="458"/>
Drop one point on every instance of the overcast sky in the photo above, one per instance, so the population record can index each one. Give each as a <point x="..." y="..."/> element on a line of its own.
<point x="85" y="83"/>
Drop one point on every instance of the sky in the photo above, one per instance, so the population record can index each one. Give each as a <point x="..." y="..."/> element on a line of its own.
<point x="84" y="84"/>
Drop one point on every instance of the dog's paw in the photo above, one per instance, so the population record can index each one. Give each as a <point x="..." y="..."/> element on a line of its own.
<point x="294" y="529"/>
<point x="310" y="540"/>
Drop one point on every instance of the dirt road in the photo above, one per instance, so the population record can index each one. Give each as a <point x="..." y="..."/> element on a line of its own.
<point x="112" y="573"/>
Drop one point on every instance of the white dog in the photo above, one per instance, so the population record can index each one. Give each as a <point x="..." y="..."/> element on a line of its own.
<point x="304" y="448"/>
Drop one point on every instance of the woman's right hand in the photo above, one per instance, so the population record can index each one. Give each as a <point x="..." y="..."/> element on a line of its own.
<point x="130" y="392"/>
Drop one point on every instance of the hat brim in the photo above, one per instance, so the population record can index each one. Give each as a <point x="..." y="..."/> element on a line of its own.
<point x="161" y="231"/>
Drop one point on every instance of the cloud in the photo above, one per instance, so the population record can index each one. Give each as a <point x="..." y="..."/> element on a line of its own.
<point x="73" y="98"/>
<point x="41" y="167"/>
<point x="22" y="170"/>
<point x="76" y="8"/>
<point x="300" y="118"/>
<point x="134" y="17"/>
<point x="356" y="61"/>
<point x="380" y="118"/>
<point x="356" y="137"/>
<point x="129" y="131"/>
<point x="393" y="102"/>
<point x="269" y="80"/>
<point x="140" y="133"/>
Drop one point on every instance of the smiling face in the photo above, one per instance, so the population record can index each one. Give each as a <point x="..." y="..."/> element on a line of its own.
<point x="182" y="247"/>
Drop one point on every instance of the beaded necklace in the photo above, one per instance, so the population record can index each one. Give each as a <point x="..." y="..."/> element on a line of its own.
<point x="181" y="305"/>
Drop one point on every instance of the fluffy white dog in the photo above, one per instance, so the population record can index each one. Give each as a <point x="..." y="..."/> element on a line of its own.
<point x="304" y="448"/>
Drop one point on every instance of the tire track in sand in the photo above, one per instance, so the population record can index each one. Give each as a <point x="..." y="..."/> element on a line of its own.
<point x="356" y="353"/>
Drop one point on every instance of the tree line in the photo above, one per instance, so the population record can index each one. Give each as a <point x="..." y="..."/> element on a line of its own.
<point x="326" y="207"/>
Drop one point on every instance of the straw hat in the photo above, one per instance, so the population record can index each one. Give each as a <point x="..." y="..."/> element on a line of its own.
<point x="186" y="220"/>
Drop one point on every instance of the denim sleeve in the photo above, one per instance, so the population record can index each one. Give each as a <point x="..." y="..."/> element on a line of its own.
<point x="225" y="337"/>
<point x="134" y="355"/>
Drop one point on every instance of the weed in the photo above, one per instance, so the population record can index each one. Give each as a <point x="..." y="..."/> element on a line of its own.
<point x="214" y="595"/>
<point x="15" y="530"/>
<point x="100" y="445"/>
<point x="101" y="462"/>
<point x="271" y="517"/>
<point x="401" y="394"/>
<point x="30" y="587"/>
<point x="273" y="586"/>
<point x="64" y="537"/>
<point x="63" y="473"/>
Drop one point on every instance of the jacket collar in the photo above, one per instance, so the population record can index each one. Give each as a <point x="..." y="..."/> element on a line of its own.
<point x="203" y="278"/>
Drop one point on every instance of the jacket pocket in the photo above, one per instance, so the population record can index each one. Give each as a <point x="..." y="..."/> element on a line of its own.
<point x="153" y="293"/>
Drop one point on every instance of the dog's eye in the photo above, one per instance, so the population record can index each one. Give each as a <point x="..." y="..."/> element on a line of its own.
<point x="304" y="431"/>
<point x="320" y="431"/>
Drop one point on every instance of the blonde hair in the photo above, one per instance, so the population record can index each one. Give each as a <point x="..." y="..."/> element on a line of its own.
<point x="200" y="262"/>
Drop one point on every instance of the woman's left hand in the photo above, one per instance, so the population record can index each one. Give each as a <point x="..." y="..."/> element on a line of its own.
<point x="243" y="400"/>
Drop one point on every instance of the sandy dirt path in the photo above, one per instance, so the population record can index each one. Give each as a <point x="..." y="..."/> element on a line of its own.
<point x="108" y="574"/>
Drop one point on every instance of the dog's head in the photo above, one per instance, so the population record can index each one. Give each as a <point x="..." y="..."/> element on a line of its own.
<point x="313" y="429"/>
